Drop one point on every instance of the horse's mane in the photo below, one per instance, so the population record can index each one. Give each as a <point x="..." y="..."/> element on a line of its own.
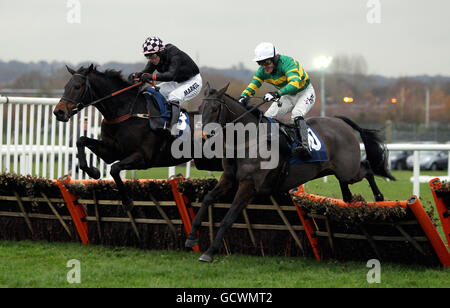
<point x="113" y="75"/>
<point x="109" y="74"/>
<point x="256" y="112"/>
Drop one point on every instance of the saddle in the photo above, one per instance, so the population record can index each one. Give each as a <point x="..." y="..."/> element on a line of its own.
<point x="160" y="113"/>
<point x="158" y="109"/>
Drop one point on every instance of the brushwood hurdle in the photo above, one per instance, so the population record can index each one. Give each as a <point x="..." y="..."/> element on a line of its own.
<point x="300" y="224"/>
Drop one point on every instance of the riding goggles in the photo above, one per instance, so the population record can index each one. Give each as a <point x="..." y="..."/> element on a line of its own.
<point x="152" y="56"/>
<point x="265" y="62"/>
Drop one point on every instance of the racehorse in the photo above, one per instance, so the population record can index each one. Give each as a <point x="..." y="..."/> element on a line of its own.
<point x="247" y="178"/>
<point x="126" y="135"/>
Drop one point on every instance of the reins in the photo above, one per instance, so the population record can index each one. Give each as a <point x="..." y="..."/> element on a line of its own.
<point x="235" y="100"/>
<point x="87" y="90"/>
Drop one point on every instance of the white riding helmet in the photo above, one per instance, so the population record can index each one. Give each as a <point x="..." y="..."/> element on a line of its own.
<point x="265" y="51"/>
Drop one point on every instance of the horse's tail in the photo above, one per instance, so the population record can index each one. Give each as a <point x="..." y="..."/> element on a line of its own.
<point x="376" y="151"/>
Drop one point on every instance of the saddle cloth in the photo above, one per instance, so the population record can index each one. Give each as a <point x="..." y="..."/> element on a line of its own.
<point x="160" y="113"/>
<point x="316" y="145"/>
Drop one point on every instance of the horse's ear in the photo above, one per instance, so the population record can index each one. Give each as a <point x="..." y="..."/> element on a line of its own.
<point x="72" y="71"/>
<point x="90" y="69"/>
<point x="223" y="90"/>
<point x="207" y="88"/>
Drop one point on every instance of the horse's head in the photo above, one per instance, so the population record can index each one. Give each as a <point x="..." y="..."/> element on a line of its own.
<point x="76" y="94"/>
<point x="212" y="107"/>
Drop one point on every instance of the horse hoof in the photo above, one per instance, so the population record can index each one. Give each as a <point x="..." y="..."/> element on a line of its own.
<point x="190" y="243"/>
<point x="379" y="198"/>
<point x="94" y="173"/>
<point x="205" y="258"/>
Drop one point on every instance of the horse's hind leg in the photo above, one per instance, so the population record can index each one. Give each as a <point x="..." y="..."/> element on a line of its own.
<point x="369" y="175"/>
<point x="346" y="193"/>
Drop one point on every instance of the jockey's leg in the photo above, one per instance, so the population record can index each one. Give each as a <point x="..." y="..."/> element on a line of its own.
<point x="304" y="102"/>
<point x="301" y="132"/>
<point x="179" y="97"/>
<point x="175" y="114"/>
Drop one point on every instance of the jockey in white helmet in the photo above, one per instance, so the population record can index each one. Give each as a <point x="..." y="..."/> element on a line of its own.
<point x="293" y="89"/>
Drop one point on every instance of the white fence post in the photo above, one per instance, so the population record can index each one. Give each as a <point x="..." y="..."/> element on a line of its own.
<point x="26" y="148"/>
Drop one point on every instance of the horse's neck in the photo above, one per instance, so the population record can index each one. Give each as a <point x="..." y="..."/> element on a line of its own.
<point x="115" y="106"/>
<point x="236" y="111"/>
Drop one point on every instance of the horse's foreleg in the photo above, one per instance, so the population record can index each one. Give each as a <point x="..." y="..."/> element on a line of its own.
<point x="243" y="196"/>
<point x="222" y="188"/>
<point x="134" y="161"/>
<point x="99" y="148"/>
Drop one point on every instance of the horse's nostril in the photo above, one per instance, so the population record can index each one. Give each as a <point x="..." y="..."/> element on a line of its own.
<point x="59" y="113"/>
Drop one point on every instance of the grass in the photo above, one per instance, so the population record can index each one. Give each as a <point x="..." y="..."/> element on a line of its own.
<point x="40" y="264"/>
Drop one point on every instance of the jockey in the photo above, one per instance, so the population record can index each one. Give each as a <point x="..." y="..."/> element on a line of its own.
<point x="180" y="76"/>
<point x="294" y="90"/>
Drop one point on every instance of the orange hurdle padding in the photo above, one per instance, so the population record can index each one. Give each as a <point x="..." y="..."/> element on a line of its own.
<point x="342" y="203"/>
<point x="76" y="210"/>
<point x="430" y="231"/>
<point x="442" y="208"/>
<point x="307" y="223"/>
<point x="181" y="202"/>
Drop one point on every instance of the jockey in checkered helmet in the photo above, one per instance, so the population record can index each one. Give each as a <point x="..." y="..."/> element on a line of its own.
<point x="153" y="44"/>
<point x="178" y="76"/>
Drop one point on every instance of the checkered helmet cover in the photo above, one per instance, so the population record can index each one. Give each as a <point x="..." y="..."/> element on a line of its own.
<point x="153" y="44"/>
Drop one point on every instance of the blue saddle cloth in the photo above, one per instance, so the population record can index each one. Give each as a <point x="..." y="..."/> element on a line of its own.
<point x="316" y="146"/>
<point x="160" y="113"/>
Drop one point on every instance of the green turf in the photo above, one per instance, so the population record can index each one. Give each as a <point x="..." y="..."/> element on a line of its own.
<point x="40" y="264"/>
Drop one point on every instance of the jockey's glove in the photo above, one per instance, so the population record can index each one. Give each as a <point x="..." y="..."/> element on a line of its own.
<point x="270" y="96"/>
<point x="134" y="76"/>
<point x="243" y="100"/>
<point x="147" y="78"/>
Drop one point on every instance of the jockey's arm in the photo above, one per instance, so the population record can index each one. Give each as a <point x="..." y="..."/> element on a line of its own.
<point x="149" y="68"/>
<point x="171" y="73"/>
<point x="253" y="86"/>
<point x="296" y="78"/>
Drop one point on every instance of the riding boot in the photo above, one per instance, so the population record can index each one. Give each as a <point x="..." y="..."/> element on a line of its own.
<point x="175" y="110"/>
<point x="302" y="134"/>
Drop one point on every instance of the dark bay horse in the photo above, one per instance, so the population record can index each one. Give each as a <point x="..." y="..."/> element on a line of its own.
<point x="125" y="137"/>
<point x="247" y="178"/>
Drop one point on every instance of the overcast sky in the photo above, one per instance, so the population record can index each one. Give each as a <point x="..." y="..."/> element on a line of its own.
<point x="408" y="37"/>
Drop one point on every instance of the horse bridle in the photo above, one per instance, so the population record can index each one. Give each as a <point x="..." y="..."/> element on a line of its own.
<point x="79" y="100"/>
<point x="88" y="90"/>
<point x="222" y="103"/>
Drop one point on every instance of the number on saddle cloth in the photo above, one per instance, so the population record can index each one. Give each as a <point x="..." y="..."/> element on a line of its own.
<point x="316" y="145"/>
<point x="158" y="108"/>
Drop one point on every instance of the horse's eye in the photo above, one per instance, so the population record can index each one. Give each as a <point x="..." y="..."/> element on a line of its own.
<point x="77" y="87"/>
